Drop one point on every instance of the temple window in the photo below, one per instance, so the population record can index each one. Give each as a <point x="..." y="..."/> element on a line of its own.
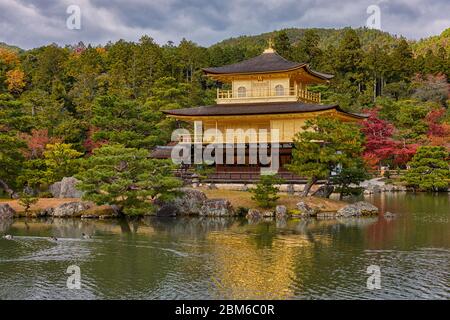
<point x="279" y="90"/>
<point x="241" y="92"/>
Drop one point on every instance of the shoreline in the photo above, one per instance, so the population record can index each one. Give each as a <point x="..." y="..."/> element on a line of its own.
<point x="231" y="203"/>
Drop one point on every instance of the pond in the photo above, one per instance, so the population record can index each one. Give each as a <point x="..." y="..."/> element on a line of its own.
<point x="230" y="258"/>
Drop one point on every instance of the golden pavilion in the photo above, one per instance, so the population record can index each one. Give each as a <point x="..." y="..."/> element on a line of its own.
<point x="266" y="92"/>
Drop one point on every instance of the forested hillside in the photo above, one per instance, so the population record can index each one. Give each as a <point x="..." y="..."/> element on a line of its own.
<point x="433" y="44"/>
<point x="327" y="37"/>
<point x="60" y="103"/>
<point x="9" y="47"/>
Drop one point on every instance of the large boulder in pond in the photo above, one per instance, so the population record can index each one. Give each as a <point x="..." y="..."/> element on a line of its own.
<point x="361" y="208"/>
<point x="280" y="212"/>
<point x="254" y="214"/>
<point x="216" y="208"/>
<point x="306" y="210"/>
<point x="268" y="213"/>
<point x="70" y="209"/>
<point x="189" y="202"/>
<point x="6" y="212"/>
<point x="66" y="188"/>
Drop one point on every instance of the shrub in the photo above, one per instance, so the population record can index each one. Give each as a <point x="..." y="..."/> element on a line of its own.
<point x="27" y="201"/>
<point x="265" y="193"/>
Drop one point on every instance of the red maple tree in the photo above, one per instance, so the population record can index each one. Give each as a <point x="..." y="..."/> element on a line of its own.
<point x="379" y="145"/>
<point x="438" y="131"/>
<point x="380" y="142"/>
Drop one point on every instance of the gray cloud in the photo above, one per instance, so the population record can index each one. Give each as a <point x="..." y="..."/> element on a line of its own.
<point x="32" y="23"/>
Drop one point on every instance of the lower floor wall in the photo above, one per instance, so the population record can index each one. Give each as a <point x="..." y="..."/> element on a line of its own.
<point x="245" y="171"/>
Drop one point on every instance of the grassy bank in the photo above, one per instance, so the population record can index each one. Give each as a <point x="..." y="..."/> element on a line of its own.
<point x="42" y="204"/>
<point x="243" y="199"/>
<point x="237" y="199"/>
<point x="46" y="203"/>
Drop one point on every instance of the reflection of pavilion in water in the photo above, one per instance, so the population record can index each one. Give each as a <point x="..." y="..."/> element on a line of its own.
<point x="245" y="268"/>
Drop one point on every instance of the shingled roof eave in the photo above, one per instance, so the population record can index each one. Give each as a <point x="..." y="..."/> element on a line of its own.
<point x="253" y="66"/>
<point x="179" y="112"/>
<point x="323" y="76"/>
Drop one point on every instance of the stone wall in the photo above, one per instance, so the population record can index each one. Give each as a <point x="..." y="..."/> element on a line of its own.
<point x="289" y="188"/>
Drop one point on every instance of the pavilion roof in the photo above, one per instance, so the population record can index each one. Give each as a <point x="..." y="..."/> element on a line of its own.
<point x="256" y="109"/>
<point x="265" y="63"/>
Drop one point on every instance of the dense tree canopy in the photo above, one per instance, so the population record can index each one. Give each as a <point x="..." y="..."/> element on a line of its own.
<point x="90" y="96"/>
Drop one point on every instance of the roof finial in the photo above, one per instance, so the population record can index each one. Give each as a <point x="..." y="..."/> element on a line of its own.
<point x="270" y="48"/>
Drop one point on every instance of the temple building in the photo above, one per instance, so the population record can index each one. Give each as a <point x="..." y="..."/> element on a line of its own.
<point x="265" y="95"/>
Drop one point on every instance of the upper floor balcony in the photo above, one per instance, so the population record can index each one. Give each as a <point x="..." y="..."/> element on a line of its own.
<point x="280" y="94"/>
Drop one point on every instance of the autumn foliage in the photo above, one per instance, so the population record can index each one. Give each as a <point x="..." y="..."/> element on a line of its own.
<point x="9" y="57"/>
<point x="36" y="142"/>
<point x="15" y="79"/>
<point x="438" y="130"/>
<point x="381" y="147"/>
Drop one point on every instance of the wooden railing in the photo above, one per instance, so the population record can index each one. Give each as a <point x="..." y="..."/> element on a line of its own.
<point x="295" y="94"/>
<point x="262" y="93"/>
<point x="221" y="137"/>
<point x="305" y="95"/>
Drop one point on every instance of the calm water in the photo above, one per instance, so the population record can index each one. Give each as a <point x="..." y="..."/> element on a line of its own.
<point x="230" y="258"/>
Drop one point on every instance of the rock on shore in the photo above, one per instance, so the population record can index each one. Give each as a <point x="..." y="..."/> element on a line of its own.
<point x="70" y="209"/>
<point x="66" y="188"/>
<point x="216" y="208"/>
<point x="281" y="212"/>
<point x="361" y="208"/>
<point x="253" y="214"/>
<point x="190" y="202"/>
<point x="195" y="202"/>
<point x="306" y="210"/>
<point x="377" y="185"/>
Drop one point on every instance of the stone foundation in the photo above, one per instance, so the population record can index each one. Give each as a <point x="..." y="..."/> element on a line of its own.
<point x="288" y="188"/>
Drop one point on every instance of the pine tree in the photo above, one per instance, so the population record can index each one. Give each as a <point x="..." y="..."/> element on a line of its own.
<point x="282" y="45"/>
<point x="127" y="122"/>
<point x="402" y="62"/>
<point x="349" y="55"/>
<point x="307" y="49"/>
<point x="324" y="145"/>
<point x="429" y="169"/>
<point x="128" y="179"/>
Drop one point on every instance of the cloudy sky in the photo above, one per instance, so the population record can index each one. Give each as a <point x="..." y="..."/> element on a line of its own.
<point x="32" y="23"/>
